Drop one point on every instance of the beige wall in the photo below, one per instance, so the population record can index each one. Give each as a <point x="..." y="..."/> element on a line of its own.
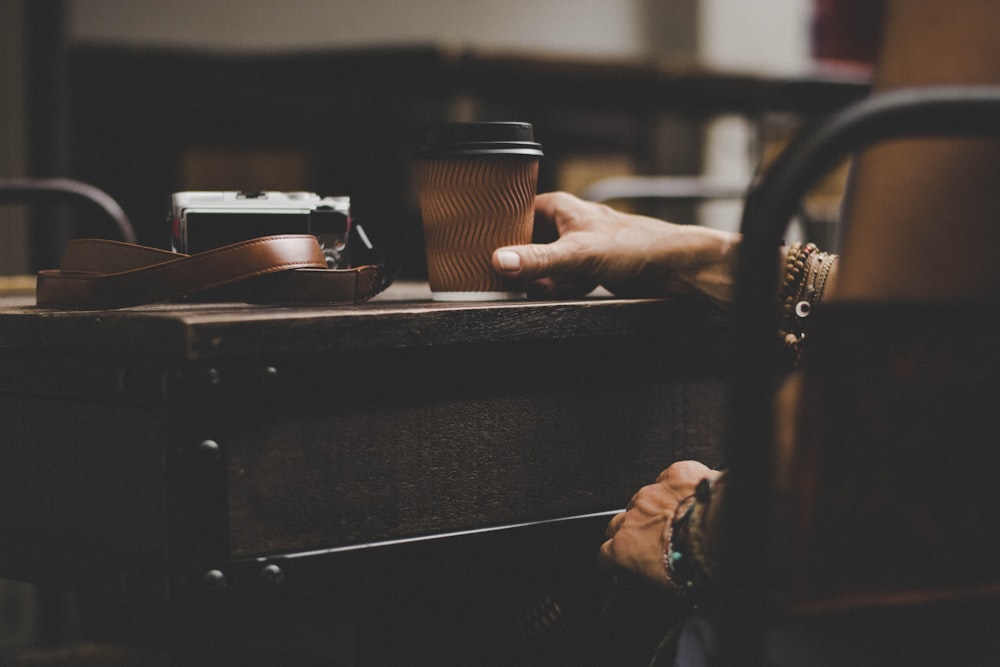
<point x="764" y="35"/>
<point x="771" y="36"/>
<point x="597" y="27"/>
<point x="750" y="35"/>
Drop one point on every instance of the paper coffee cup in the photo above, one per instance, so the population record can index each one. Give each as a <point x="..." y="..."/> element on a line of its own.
<point x="476" y="183"/>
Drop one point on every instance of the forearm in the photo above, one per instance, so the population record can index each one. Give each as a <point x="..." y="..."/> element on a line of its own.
<point x="710" y="268"/>
<point x="701" y="262"/>
<point x="674" y="260"/>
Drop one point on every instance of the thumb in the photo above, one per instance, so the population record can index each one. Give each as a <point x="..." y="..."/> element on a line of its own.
<point x="529" y="262"/>
<point x="547" y="270"/>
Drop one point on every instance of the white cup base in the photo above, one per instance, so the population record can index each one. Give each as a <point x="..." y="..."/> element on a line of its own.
<point x="477" y="296"/>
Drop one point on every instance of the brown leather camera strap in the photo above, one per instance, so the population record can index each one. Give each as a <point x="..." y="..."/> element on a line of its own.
<point x="97" y="274"/>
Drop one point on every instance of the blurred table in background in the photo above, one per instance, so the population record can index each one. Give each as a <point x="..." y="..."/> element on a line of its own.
<point x="141" y="124"/>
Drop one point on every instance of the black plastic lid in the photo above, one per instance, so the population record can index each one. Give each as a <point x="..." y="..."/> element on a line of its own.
<point x="461" y="139"/>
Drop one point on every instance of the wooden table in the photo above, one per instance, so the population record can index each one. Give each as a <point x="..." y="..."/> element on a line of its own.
<point x="160" y="451"/>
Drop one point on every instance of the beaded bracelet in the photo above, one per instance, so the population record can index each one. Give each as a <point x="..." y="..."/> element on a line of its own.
<point x="806" y="273"/>
<point x="685" y="554"/>
<point x="675" y="552"/>
<point x="795" y="263"/>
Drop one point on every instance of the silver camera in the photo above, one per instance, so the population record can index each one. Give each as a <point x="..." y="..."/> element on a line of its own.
<point x="202" y="220"/>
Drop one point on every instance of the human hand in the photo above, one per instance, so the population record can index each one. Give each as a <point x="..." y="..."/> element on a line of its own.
<point x="585" y="244"/>
<point x="636" y="537"/>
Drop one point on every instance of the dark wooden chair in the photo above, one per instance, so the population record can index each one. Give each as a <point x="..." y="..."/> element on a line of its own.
<point x="880" y="422"/>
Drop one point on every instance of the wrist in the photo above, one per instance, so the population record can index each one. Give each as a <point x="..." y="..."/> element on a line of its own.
<point x="708" y="265"/>
<point x="690" y="550"/>
<point x="805" y="279"/>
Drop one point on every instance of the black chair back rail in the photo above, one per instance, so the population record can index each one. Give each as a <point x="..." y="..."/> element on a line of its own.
<point x="50" y="190"/>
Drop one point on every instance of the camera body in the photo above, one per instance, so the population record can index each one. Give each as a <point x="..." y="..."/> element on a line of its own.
<point x="203" y="220"/>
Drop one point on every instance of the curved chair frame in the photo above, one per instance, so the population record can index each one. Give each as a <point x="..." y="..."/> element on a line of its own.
<point x="18" y="190"/>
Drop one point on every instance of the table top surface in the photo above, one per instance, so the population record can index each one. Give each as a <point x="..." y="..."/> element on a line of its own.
<point x="403" y="316"/>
